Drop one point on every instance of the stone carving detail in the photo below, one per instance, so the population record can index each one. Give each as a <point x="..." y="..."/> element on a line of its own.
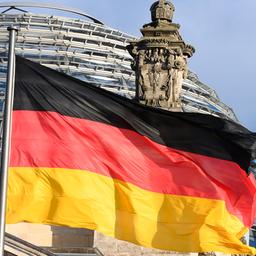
<point x="160" y="59"/>
<point x="159" y="73"/>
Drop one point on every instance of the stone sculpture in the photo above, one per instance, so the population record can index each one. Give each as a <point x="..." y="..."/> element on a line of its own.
<point x="160" y="59"/>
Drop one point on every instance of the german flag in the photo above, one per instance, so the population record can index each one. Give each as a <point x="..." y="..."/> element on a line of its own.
<point x="84" y="157"/>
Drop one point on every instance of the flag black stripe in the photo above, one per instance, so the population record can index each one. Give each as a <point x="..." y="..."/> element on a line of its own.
<point x="38" y="88"/>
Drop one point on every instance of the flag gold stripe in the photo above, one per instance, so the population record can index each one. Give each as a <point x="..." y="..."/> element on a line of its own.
<point x="84" y="199"/>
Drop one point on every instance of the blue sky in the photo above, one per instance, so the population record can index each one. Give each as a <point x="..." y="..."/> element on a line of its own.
<point x="222" y="31"/>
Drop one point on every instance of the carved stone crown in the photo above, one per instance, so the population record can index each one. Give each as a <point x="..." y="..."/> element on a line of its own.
<point x="188" y="50"/>
<point x="162" y="10"/>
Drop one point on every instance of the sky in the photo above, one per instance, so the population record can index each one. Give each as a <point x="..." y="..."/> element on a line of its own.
<point x="222" y="31"/>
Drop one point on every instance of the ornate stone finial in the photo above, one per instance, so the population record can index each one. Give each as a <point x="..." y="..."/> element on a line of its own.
<point x="162" y="10"/>
<point x="160" y="59"/>
<point x="161" y="3"/>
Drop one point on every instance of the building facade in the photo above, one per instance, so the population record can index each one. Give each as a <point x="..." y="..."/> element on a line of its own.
<point x="91" y="51"/>
<point x="86" y="49"/>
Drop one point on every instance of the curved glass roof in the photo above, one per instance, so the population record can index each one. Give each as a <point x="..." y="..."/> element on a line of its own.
<point x="90" y="51"/>
<point x="19" y="5"/>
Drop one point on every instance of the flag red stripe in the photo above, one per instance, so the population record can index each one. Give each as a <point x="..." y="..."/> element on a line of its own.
<point x="59" y="141"/>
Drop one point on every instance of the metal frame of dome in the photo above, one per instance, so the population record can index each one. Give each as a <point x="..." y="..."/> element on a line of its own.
<point x="94" y="53"/>
<point x="16" y="5"/>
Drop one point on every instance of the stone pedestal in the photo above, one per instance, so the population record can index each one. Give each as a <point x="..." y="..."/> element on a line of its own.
<point x="52" y="236"/>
